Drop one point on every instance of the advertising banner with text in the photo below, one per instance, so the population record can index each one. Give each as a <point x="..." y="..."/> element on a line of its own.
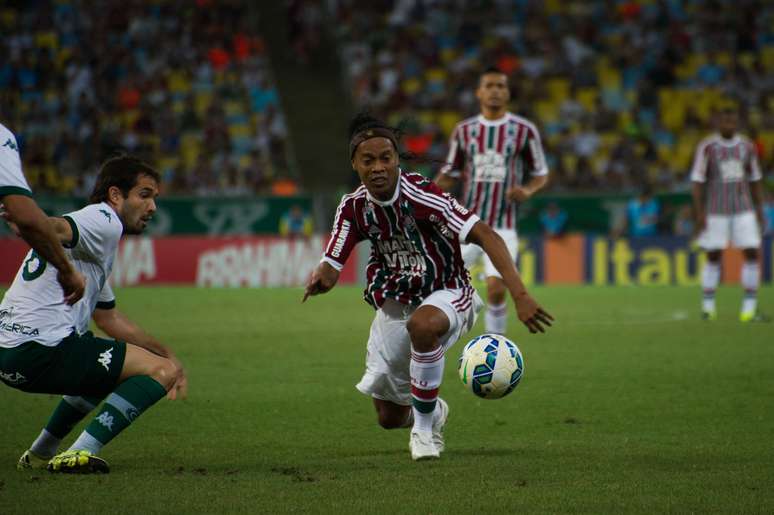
<point x="253" y="261"/>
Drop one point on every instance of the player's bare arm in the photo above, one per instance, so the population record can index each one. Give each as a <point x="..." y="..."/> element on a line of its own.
<point x="446" y="182"/>
<point x="756" y="192"/>
<point x="526" y="191"/>
<point x="30" y="223"/>
<point x="118" y="326"/>
<point x="323" y="279"/>
<point x="698" y="191"/>
<point x="530" y="313"/>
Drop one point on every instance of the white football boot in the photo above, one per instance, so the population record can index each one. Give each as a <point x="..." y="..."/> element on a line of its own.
<point x="422" y="446"/>
<point x="439" y="421"/>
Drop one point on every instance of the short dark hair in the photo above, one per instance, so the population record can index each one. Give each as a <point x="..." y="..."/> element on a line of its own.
<point x="122" y="172"/>
<point x="491" y="69"/>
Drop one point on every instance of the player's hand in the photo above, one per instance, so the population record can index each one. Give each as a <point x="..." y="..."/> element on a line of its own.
<point x="518" y="194"/>
<point x="179" y="390"/>
<point x="531" y="314"/>
<point x="322" y="280"/>
<point x="7" y="217"/>
<point x="73" y="284"/>
<point x="315" y="286"/>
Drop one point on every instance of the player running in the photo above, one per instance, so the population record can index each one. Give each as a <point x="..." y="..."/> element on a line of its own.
<point x="499" y="158"/>
<point x="728" y="202"/>
<point x="417" y="282"/>
<point x="45" y="345"/>
<point x="32" y="223"/>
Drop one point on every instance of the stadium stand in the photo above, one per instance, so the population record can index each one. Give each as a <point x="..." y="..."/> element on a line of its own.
<point x="622" y="90"/>
<point x="184" y="84"/>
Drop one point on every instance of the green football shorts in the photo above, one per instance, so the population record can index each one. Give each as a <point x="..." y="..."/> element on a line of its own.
<point x="78" y="365"/>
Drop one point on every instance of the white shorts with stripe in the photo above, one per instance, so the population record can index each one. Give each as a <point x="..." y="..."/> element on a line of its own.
<point x="740" y="230"/>
<point x="472" y="252"/>
<point x="389" y="346"/>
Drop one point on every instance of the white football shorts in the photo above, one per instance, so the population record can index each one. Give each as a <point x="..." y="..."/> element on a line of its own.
<point x="740" y="230"/>
<point x="472" y="252"/>
<point x="389" y="346"/>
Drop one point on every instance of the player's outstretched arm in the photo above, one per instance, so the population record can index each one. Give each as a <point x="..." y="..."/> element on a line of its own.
<point x="29" y="222"/>
<point x="697" y="194"/>
<point x="322" y="280"/>
<point x="529" y="311"/>
<point x="117" y="325"/>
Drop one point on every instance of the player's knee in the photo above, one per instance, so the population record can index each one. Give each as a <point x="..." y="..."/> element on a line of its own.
<point x="389" y="420"/>
<point x="423" y="334"/>
<point x="165" y="372"/>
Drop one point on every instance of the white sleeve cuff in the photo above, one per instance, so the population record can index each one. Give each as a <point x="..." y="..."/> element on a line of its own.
<point x="467" y="226"/>
<point x="538" y="173"/>
<point x="335" y="264"/>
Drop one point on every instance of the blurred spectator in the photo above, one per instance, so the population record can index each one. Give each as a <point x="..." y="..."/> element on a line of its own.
<point x="553" y="220"/>
<point x="683" y="224"/>
<point x="186" y="85"/>
<point x="295" y="223"/>
<point x="642" y="214"/>
<point x="768" y="214"/>
<point x="586" y="71"/>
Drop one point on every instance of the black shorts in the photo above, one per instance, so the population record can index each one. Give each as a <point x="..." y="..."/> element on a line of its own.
<point x="78" y="365"/>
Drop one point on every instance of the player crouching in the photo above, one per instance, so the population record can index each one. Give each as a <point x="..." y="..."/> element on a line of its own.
<point x="45" y="345"/>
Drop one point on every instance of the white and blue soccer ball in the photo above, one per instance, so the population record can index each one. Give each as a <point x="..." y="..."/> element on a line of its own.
<point x="491" y="366"/>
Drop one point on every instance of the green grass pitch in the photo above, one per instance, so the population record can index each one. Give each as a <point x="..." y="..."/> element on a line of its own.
<point x="629" y="405"/>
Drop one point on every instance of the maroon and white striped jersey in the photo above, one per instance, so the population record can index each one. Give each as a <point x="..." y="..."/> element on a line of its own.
<point x="490" y="157"/>
<point x="727" y="166"/>
<point x="415" y="241"/>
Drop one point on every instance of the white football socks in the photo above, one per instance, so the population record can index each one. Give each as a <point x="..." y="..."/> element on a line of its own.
<point x="426" y="370"/>
<point x="751" y="275"/>
<point x="496" y="318"/>
<point x="46" y="444"/>
<point x="710" y="277"/>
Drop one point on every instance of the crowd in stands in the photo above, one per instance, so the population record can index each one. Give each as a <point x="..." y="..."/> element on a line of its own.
<point x="185" y="84"/>
<point x="622" y="90"/>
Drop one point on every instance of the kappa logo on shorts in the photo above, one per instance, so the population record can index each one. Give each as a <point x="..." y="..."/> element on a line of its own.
<point x="105" y="358"/>
<point x="106" y="419"/>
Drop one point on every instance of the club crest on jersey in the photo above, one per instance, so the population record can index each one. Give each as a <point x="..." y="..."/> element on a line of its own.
<point x="374" y="230"/>
<point x="409" y="223"/>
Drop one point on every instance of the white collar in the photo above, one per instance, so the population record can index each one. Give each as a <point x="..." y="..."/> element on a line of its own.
<point x="385" y="203"/>
<point x="727" y="142"/>
<point x="498" y="121"/>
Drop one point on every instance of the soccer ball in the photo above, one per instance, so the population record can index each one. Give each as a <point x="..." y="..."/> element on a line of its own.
<point x="491" y="366"/>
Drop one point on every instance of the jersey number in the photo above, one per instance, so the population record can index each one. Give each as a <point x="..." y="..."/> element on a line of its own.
<point x="33" y="267"/>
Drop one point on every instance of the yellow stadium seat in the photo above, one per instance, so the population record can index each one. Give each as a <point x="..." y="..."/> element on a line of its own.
<point x="547" y="111"/>
<point x="587" y="97"/>
<point x="202" y="101"/>
<point x="448" y="55"/>
<point x="411" y="86"/>
<point x="436" y="74"/>
<point x="189" y="148"/>
<point x="447" y="120"/>
<point x="558" y="89"/>
<point x="47" y="40"/>
<point x="239" y="130"/>
<point x="178" y="82"/>
<point x="767" y="56"/>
